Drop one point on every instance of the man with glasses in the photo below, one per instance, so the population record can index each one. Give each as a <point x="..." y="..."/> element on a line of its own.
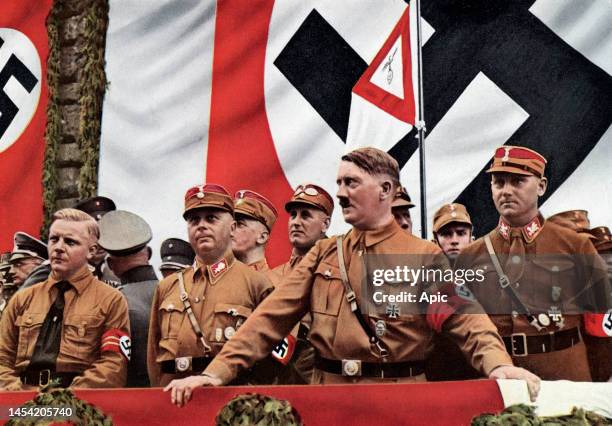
<point x="326" y="283"/>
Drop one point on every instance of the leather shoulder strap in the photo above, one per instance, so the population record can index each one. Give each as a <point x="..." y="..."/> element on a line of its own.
<point x="352" y="300"/>
<point x="192" y="319"/>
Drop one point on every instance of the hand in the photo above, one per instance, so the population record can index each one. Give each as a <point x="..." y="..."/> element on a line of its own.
<point x="182" y="389"/>
<point x="512" y="372"/>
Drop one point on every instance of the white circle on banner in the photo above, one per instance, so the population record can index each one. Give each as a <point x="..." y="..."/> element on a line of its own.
<point x="606" y="323"/>
<point x="307" y="147"/>
<point x="24" y="60"/>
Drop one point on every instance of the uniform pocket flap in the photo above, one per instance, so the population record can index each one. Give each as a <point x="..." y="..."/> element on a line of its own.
<point x="87" y="321"/>
<point x="328" y="271"/>
<point x="553" y="265"/>
<point x="30" y="320"/>
<point x="233" y="309"/>
<point x="172" y="305"/>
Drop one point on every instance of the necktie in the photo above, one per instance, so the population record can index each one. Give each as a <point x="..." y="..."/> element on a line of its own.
<point x="516" y="256"/>
<point x="48" y="342"/>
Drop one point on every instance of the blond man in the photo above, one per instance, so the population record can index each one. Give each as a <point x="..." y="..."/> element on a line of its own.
<point x="72" y="327"/>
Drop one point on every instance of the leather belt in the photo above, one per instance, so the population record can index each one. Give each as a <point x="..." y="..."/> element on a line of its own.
<point x="43" y="377"/>
<point x="185" y="363"/>
<point x="519" y="344"/>
<point x="358" y="368"/>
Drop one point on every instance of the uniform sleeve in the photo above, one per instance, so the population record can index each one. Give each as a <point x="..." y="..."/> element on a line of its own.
<point x="472" y="329"/>
<point x="269" y="323"/>
<point x="9" y="336"/>
<point x="110" y="369"/>
<point x="153" y="367"/>
<point x="478" y="339"/>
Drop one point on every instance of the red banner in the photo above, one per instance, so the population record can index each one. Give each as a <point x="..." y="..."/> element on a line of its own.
<point x="23" y="101"/>
<point x="241" y="153"/>
<point x="442" y="403"/>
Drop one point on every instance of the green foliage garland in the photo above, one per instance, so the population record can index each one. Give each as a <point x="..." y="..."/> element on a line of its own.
<point x="92" y="84"/>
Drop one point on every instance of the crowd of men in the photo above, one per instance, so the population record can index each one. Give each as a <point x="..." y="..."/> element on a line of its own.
<point x="88" y="310"/>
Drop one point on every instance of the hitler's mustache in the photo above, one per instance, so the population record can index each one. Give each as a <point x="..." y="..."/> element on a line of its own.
<point x="344" y="202"/>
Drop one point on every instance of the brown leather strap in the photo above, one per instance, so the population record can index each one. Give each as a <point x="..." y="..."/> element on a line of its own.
<point x="43" y="377"/>
<point x="192" y="319"/>
<point x="185" y="364"/>
<point x="352" y="300"/>
<point x="372" y="369"/>
<point x="519" y="344"/>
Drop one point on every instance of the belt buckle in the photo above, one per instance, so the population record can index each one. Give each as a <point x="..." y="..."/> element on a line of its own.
<point x="520" y="340"/>
<point x="183" y="363"/>
<point x="351" y="367"/>
<point x="41" y="374"/>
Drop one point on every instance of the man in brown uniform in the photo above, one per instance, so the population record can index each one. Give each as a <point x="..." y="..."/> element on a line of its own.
<point x="197" y="310"/>
<point x="310" y="209"/>
<point x="71" y="327"/>
<point x="401" y="209"/>
<point x="540" y="269"/>
<point x="598" y="327"/>
<point x="368" y="179"/>
<point x="255" y="216"/>
<point x="452" y="229"/>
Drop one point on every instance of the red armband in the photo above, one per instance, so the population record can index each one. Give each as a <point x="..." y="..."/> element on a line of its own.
<point x="439" y="312"/>
<point x="598" y="325"/>
<point x="284" y="350"/>
<point x="118" y="341"/>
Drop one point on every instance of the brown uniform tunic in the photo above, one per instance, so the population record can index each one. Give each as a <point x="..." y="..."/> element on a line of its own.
<point x="263" y="267"/>
<point x="315" y="286"/>
<point x="91" y="309"/>
<point x="221" y="297"/>
<point x="567" y="270"/>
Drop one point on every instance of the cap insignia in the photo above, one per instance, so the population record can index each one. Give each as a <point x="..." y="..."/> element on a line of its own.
<point x="506" y="154"/>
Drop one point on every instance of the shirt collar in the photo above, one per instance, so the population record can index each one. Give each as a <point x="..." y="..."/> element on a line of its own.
<point x="260" y="265"/>
<point x="529" y="231"/>
<point x="216" y="270"/>
<point x="375" y="236"/>
<point x="79" y="280"/>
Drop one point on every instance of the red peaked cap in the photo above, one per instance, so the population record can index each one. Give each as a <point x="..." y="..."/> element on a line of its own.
<point x="208" y="195"/>
<point x="252" y="204"/>
<point x="518" y="160"/>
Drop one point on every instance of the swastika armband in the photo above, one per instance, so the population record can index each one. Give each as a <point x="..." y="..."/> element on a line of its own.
<point x="118" y="341"/>
<point x="284" y="350"/>
<point x="598" y="325"/>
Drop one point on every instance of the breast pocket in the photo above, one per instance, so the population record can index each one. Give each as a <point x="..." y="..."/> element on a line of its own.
<point x="29" y="328"/>
<point x="554" y="282"/>
<point x="227" y="320"/>
<point x="327" y="290"/>
<point x="82" y="334"/>
<point x="171" y="315"/>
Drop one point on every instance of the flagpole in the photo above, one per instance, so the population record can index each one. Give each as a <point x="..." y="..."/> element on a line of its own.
<point x="420" y="124"/>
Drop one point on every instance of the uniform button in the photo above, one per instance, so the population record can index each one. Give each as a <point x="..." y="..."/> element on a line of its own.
<point x="516" y="259"/>
<point x="196" y="300"/>
<point x="29" y="321"/>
